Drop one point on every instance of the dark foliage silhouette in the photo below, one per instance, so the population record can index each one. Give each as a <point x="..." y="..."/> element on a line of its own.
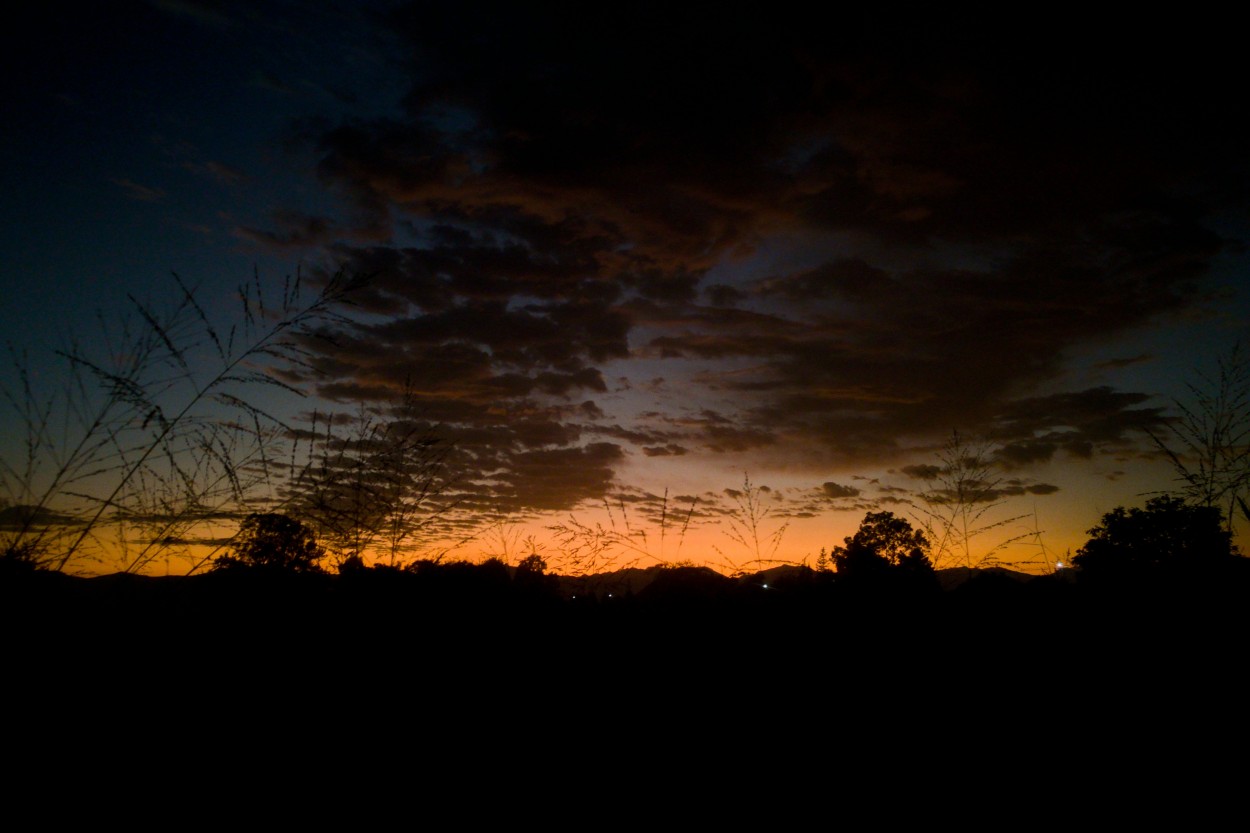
<point x="273" y="541"/>
<point x="18" y="558"/>
<point x="1168" y="535"/>
<point x="884" y="547"/>
<point x="531" y="576"/>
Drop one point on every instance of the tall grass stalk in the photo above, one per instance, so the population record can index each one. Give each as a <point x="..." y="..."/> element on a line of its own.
<point x="1208" y="444"/>
<point x="957" y="507"/>
<point x="593" y="548"/>
<point x="156" y="425"/>
<point x="746" y="526"/>
<point x="372" y="490"/>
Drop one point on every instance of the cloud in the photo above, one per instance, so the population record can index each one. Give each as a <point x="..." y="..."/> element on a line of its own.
<point x="840" y="279"/>
<point x="835" y="490"/>
<point x="923" y="471"/>
<point x="224" y="173"/>
<point x="670" y="450"/>
<point x="294" y="230"/>
<point x="833" y="245"/>
<point x="554" y="479"/>
<point x="22" y="518"/>
<point x="1129" y="361"/>
<point x="1026" y="452"/>
<point x="1035" y="428"/>
<point x="142" y="193"/>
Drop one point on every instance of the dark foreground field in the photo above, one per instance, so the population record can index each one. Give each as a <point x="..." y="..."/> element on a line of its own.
<point x="673" y="626"/>
<point x="996" y="683"/>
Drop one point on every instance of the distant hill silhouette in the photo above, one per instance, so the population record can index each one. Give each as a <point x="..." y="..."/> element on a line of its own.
<point x="494" y="605"/>
<point x="632" y="580"/>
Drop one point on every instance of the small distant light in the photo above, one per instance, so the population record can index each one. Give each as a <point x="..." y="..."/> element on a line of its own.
<point x="766" y="586"/>
<point x="609" y="595"/>
<point x="1059" y="565"/>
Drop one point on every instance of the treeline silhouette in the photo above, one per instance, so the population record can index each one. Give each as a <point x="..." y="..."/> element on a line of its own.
<point x="1167" y="564"/>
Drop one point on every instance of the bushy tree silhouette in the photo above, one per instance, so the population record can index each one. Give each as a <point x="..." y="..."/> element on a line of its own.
<point x="533" y="564"/>
<point x="884" y="545"/>
<point x="273" y="541"/>
<point x="18" y="559"/>
<point x="1167" y="535"/>
<point x="531" y="576"/>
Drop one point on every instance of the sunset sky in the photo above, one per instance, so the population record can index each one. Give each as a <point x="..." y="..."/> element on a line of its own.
<point x="624" y="249"/>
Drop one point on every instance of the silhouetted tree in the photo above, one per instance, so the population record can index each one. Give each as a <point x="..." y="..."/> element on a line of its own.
<point x="884" y="545"/>
<point x="1168" y="534"/>
<point x="533" y="564"/>
<point x="274" y="541"/>
<point x="18" y="559"/>
<point x="531" y="576"/>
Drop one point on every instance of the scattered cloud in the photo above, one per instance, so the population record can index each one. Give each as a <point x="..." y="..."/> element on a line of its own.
<point x="142" y="193"/>
<point x="224" y="173"/>
<point x="291" y="230"/>
<point x="833" y="246"/>
<point x="836" y="490"/>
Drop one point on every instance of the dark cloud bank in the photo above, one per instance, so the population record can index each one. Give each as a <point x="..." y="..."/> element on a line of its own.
<point x="841" y="235"/>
